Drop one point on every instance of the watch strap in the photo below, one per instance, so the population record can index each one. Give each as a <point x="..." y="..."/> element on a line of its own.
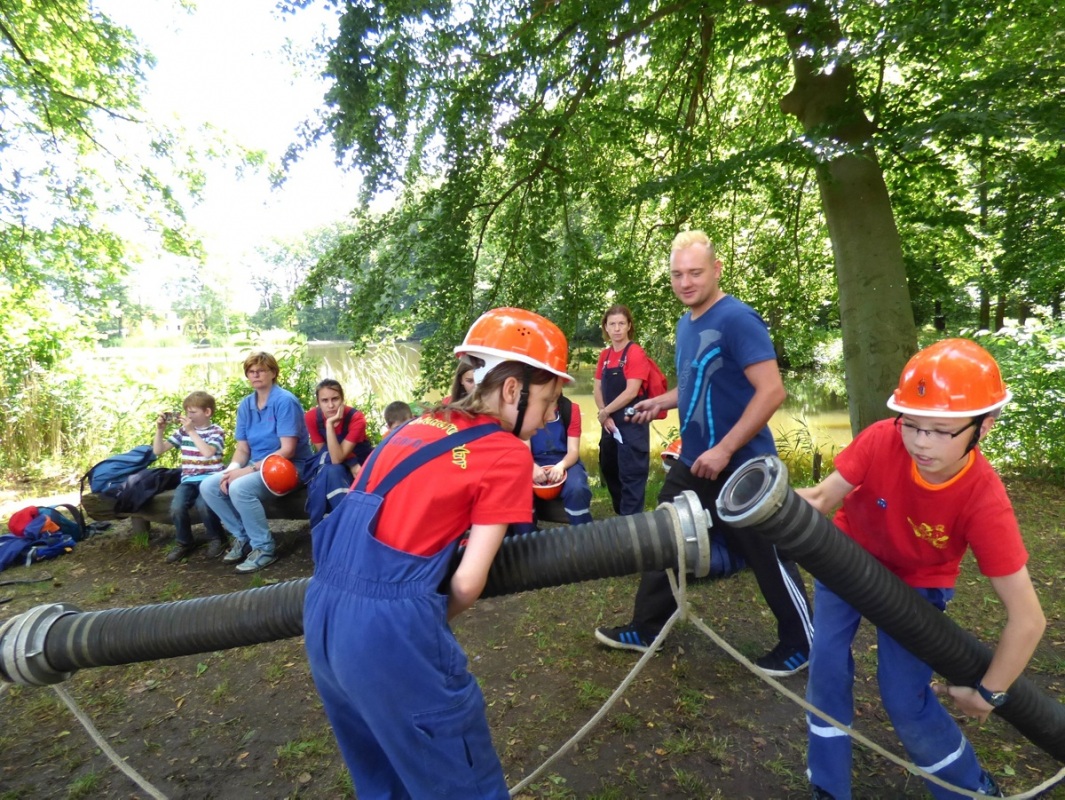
<point x="995" y="699"/>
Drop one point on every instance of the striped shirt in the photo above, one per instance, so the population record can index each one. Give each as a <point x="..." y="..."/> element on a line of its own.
<point x="195" y="466"/>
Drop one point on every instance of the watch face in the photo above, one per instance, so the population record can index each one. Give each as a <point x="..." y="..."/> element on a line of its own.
<point x="995" y="699"/>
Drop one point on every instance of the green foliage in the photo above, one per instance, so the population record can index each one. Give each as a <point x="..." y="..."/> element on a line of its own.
<point x="544" y="157"/>
<point x="1029" y="438"/>
<point x="544" y="154"/>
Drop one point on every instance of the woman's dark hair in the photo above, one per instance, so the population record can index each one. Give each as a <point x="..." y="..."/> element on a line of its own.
<point x="328" y="383"/>
<point x="458" y="391"/>
<point x="613" y="311"/>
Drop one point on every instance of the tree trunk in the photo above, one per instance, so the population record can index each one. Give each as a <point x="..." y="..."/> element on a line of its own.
<point x="879" y="334"/>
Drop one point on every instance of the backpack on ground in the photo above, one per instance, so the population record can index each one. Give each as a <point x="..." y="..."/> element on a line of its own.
<point x="25" y="550"/>
<point x="105" y="476"/>
<point x="72" y="525"/>
<point x="33" y="521"/>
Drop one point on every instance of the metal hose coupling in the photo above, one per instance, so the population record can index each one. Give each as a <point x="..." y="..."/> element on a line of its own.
<point x="47" y="644"/>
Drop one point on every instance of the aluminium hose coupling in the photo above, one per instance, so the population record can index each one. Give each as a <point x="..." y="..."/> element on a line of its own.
<point x="22" y="638"/>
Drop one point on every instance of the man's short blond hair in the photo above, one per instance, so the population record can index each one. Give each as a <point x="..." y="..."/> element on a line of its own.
<point x="685" y="239"/>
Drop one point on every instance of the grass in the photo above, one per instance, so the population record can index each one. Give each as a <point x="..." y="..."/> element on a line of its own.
<point x="295" y="755"/>
<point x="694" y="721"/>
<point x="85" y="786"/>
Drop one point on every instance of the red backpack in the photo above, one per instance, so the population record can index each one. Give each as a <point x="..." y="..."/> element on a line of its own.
<point x="656" y="383"/>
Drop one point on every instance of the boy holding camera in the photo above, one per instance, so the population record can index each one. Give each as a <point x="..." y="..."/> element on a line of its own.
<point x="201" y="443"/>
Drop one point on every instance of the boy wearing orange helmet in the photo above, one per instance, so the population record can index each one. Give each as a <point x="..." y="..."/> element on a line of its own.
<point x="917" y="493"/>
<point x="407" y="714"/>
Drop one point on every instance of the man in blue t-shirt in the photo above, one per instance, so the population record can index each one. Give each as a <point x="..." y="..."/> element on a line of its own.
<point x="728" y="386"/>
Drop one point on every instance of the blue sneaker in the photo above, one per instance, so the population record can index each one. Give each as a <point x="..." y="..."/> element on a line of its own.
<point x="627" y="637"/>
<point x="988" y="786"/>
<point x="256" y="561"/>
<point x="782" y="661"/>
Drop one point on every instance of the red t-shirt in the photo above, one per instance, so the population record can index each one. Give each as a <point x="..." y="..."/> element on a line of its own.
<point x="636" y="363"/>
<point x="918" y="530"/>
<point x="483" y="483"/>
<point x="356" y="430"/>
<point x="574" y="428"/>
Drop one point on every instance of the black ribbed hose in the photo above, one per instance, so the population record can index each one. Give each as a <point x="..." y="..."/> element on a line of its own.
<point x="48" y="643"/>
<point x="757" y="496"/>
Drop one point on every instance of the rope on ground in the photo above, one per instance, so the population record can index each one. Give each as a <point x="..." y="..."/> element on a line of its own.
<point x="602" y="712"/>
<point x="678" y="583"/>
<point x="679" y="588"/>
<point x="858" y="737"/>
<point x="115" y="758"/>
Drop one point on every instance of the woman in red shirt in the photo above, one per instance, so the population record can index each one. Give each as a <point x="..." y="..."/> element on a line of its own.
<point x="336" y="427"/>
<point x="624" y="446"/>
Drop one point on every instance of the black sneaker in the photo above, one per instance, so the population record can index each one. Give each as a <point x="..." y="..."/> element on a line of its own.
<point x="178" y="552"/>
<point x="215" y="548"/>
<point x="817" y="793"/>
<point x="627" y="637"/>
<point x="782" y="661"/>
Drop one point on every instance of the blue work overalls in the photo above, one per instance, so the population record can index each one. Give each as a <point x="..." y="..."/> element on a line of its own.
<point x="549" y="446"/>
<point x="407" y="714"/>
<point x="328" y="483"/>
<point x="623" y="465"/>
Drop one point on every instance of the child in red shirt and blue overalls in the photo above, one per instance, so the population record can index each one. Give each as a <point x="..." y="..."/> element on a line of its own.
<point x="917" y="493"/>
<point x="408" y="715"/>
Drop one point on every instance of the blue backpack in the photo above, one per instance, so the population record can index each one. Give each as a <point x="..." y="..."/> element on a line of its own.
<point x="107" y="476"/>
<point x="72" y="526"/>
<point x="25" y="550"/>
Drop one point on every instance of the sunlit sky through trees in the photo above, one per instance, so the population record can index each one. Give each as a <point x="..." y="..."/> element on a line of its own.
<point x="227" y="65"/>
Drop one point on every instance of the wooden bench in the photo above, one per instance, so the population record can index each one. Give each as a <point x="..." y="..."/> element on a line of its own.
<point x="291" y="506"/>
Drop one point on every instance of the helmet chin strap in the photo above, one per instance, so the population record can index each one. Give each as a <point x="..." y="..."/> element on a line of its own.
<point x="523" y="400"/>
<point x="977" y="423"/>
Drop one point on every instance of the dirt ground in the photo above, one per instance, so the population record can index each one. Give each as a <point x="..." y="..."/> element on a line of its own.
<point x="246" y="723"/>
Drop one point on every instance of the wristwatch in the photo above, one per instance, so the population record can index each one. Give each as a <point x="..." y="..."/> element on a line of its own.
<point x="996" y="699"/>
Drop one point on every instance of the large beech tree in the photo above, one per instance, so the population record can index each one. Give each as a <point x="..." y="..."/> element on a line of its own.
<point x="545" y="153"/>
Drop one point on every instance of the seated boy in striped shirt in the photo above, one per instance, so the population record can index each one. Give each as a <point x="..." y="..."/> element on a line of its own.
<point x="201" y="443"/>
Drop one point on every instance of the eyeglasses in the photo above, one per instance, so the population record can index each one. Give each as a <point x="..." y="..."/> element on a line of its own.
<point x="942" y="437"/>
<point x="253" y="371"/>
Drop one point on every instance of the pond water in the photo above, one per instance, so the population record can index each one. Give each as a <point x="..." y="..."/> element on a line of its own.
<point x="813" y="417"/>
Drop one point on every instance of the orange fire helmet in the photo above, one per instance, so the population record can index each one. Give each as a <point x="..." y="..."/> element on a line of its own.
<point x="279" y="474"/>
<point x="514" y="334"/>
<point x="549" y="491"/>
<point x="951" y="378"/>
<point x="670" y="454"/>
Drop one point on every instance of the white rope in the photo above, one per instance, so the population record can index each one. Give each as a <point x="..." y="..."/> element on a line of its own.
<point x="116" y="759"/>
<point x="679" y="588"/>
<point x="602" y="712"/>
<point x="858" y="737"/>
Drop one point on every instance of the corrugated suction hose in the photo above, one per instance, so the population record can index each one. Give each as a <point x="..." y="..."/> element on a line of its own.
<point x="757" y="496"/>
<point x="48" y="643"/>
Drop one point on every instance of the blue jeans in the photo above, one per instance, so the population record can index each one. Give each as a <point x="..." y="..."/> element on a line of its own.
<point x="927" y="731"/>
<point x="241" y="511"/>
<point x="187" y="495"/>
